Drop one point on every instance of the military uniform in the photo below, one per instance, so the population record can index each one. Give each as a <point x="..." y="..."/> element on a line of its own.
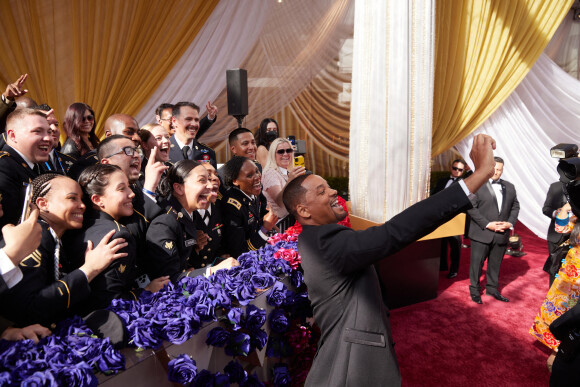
<point x="199" y="152"/>
<point x="116" y="281"/>
<point x="39" y="298"/>
<point x="81" y="163"/>
<point x="211" y="252"/>
<point x="171" y="241"/>
<point x="15" y="174"/>
<point x="242" y="222"/>
<point x="57" y="163"/>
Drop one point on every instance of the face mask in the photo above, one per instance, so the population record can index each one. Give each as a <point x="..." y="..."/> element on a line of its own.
<point x="271" y="136"/>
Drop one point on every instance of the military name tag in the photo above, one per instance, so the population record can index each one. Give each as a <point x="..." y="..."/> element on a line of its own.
<point x="190" y="242"/>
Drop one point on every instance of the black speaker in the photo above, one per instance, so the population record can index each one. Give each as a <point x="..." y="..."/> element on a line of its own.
<point x="237" y="84"/>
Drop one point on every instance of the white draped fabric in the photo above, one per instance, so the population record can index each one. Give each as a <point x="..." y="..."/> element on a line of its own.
<point x="564" y="46"/>
<point x="391" y="109"/>
<point x="543" y="111"/>
<point x="199" y="75"/>
<point x="281" y="57"/>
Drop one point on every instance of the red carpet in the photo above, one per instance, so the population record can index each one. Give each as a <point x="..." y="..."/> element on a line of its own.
<point x="451" y="341"/>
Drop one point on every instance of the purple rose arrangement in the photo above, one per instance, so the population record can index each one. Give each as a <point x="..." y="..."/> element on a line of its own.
<point x="70" y="357"/>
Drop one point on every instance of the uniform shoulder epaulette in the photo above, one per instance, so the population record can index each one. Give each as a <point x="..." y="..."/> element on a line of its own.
<point x="205" y="145"/>
<point x="235" y="203"/>
<point x="220" y="196"/>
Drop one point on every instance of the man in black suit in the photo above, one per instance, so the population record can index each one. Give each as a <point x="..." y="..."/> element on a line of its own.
<point x="184" y="144"/>
<point x="494" y="213"/>
<point x="454" y="242"/>
<point x="356" y="348"/>
<point x="555" y="200"/>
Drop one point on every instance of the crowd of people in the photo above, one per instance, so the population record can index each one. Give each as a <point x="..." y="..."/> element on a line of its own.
<point x="130" y="212"/>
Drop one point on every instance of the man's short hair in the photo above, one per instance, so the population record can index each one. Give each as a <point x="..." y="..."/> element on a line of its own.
<point x="44" y="107"/>
<point x="293" y="194"/>
<point x="233" y="137"/>
<point x="458" y="161"/>
<point x="162" y="107"/>
<point x="498" y="160"/>
<point x="177" y="108"/>
<point x="21" y="113"/>
<point x="106" y="147"/>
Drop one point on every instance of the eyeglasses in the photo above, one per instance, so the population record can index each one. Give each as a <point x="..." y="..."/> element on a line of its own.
<point x="165" y="119"/>
<point x="128" y="150"/>
<point x="89" y="118"/>
<point x="457" y="169"/>
<point x="282" y="151"/>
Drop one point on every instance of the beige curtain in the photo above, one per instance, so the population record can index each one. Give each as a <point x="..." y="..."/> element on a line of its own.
<point x="484" y="48"/>
<point x="110" y="54"/>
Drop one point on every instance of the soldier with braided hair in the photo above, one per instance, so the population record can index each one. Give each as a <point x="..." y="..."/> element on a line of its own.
<point x="46" y="294"/>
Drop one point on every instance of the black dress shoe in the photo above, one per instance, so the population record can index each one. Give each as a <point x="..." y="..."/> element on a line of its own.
<point x="499" y="297"/>
<point x="451" y="275"/>
<point x="476" y="299"/>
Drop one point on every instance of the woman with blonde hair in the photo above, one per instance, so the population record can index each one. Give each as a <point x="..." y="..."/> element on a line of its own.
<point x="279" y="170"/>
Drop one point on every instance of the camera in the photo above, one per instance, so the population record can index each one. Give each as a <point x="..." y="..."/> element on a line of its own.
<point x="569" y="171"/>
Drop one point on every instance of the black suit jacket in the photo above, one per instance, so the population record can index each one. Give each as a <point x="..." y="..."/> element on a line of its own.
<point x="441" y="183"/>
<point x="199" y="149"/>
<point x="485" y="211"/>
<point x="356" y="348"/>
<point x="555" y="199"/>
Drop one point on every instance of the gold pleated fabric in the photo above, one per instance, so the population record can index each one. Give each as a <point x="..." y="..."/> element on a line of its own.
<point x="109" y="54"/>
<point x="484" y="48"/>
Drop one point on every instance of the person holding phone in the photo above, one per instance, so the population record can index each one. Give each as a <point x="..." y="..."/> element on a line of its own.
<point x="279" y="170"/>
<point x="47" y="294"/>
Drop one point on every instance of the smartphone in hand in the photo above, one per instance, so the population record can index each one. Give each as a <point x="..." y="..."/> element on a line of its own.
<point x="27" y="201"/>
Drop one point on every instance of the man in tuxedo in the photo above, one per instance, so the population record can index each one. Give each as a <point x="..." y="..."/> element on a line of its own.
<point x="494" y="213"/>
<point x="356" y="347"/>
<point x="453" y="242"/>
<point x="164" y="114"/>
<point x="555" y="200"/>
<point x="184" y="144"/>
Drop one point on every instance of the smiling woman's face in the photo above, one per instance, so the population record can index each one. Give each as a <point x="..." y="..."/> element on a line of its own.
<point x="249" y="179"/>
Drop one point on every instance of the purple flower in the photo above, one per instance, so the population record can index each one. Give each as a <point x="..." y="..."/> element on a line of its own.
<point x="277" y="294"/>
<point x="253" y="381"/>
<point x="219" y="297"/>
<point x="177" y="330"/>
<point x="88" y="348"/>
<point x="182" y="369"/>
<point x="263" y="280"/>
<point x="110" y="360"/>
<point x="71" y="326"/>
<point x="27" y="368"/>
<point x="40" y="379"/>
<point x="277" y="347"/>
<point x="255" y="318"/>
<point x="234" y="316"/>
<point x="218" y="337"/>
<point x="80" y="374"/>
<point x="296" y="278"/>
<point x="278" y="321"/>
<point x="5" y="378"/>
<point x="238" y="344"/>
<point x="206" y="378"/>
<point x="258" y="339"/>
<point x="221" y="380"/>
<point x="244" y="293"/>
<point x="189" y="284"/>
<point x="236" y="372"/>
<point x="281" y="375"/>
<point x="143" y="334"/>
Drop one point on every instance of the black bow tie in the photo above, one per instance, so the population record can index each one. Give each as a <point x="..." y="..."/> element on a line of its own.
<point x="498" y="181"/>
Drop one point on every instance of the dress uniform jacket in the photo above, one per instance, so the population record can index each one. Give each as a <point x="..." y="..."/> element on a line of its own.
<point x="171" y="241"/>
<point x="60" y="164"/>
<point x="39" y="297"/>
<point x="15" y="174"/>
<point x="81" y="163"/>
<point x="116" y="281"/>
<point x="242" y="222"/>
<point x="200" y="151"/>
<point x="214" y="229"/>
<point x="356" y="348"/>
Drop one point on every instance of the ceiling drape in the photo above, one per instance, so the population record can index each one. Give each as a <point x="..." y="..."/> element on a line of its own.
<point x="110" y="54"/>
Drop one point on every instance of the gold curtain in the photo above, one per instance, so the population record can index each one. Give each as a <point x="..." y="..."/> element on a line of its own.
<point x="109" y="54"/>
<point x="484" y="48"/>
